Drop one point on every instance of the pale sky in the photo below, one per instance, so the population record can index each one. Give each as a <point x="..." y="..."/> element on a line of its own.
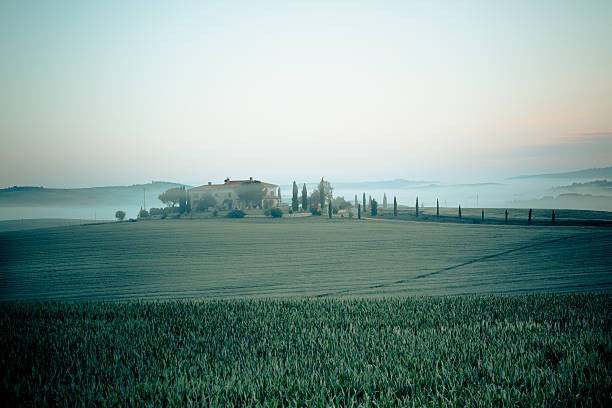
<point x="107" y="93"/>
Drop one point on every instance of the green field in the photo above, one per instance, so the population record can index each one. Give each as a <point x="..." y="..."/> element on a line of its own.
<point x="223" y="258"/>
<point x="306" y="312"/>
<point x="462" y="351"/>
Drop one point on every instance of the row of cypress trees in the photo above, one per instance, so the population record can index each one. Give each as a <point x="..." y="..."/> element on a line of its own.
<point x="295" y="199"/>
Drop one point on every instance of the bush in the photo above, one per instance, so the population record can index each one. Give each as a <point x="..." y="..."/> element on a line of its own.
<point x="205" y="202"/>
<point x="156" y="211"/>
<point x="120" y="215"/>
<point x="267" y="212"/>
<point x="236" y="214"/>
<point x="170" y="210"/>
<point x="276" y="212"/>
<point x="315" y="211"/>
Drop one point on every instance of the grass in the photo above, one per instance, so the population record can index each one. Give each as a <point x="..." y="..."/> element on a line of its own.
<point x="300" y="257"/>
<point x="537" y="350"/>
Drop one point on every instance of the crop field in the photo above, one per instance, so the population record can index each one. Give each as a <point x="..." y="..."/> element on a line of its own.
<point x="310" y="257"/>
<point x="533" y="350"/>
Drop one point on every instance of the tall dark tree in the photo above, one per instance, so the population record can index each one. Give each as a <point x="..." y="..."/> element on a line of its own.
<point x="459" y="210"/>
<point x="364" y="203"/>
<point x="359" y="211"/>
<point x="374" y="208"/>
<point x="482" y="216"/>
<point x="322" y="192"/>
<point x="395" y="206"/>
<point x="385" y="200"/>
<point x="304" y="198"/>
<point x="329" y="209"/>
<point x="437" y="208"/>
<point x="553" y="216"/>
<point x="417" y="207"/>
<point x="183" y="201"/>
<point x="506" y="216"/>
<point x="529" y="215"/>
<point x="294" y="198"/>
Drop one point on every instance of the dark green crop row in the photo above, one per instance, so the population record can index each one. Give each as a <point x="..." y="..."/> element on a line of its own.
<point x="465" y="351"/>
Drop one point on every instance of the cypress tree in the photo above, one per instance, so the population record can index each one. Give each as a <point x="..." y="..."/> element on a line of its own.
<point x="294" y="198"/>
<point x="529" y="220"/>
<point x="394" y="206"/>
<point x="482" y="217"/>
<point x="417" y="207"/>
<point x="553" y="216"/>
<point x="459" y="210"/>
<point x="304" y="198"/>
<point x="364" y="203"/>
<point x="437" y="208"/>
<point x="374" y="208"/>
<point x="506" y="216"/>
<point x="359" y="211"/>
<point x="385" y="200"/>
<point x="322" y="193"/>
<point x="329" y="209"/>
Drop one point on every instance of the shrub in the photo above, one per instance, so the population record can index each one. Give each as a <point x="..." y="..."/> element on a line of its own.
<point x="236" y="214"/>
<point x="156" y="211"/>
<point x="170" y="210"/>
<point x="120" y="215"/>
<point x="205" y="202"/>
<point x="276" y="212"/>
<point x="315" y="211"/>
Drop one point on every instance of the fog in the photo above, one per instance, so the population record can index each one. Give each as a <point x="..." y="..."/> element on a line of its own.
<point x="560" y="193"/>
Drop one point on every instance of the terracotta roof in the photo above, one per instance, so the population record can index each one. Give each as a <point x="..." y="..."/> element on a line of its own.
<point x="230" y="184"/>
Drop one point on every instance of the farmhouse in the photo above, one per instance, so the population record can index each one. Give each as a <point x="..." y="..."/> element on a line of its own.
<point x="227" y="194"/>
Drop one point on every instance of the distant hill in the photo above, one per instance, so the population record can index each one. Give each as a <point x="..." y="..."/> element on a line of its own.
<point x="599" y="173"/>
<point x="389" y="184"/>
<point x="594" y="187"/>
<point x="569" y="201"/>
<point x="76" y="197"/>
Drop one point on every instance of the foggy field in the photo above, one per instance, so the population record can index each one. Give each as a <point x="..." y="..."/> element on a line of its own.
<point x="312" y="257"/>
<point x="440" y="351"/>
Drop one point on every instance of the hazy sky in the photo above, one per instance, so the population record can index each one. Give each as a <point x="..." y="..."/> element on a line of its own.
<point x="98" y="93"/>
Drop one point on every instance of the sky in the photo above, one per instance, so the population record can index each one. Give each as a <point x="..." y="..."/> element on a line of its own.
<point x="124" y="92"/>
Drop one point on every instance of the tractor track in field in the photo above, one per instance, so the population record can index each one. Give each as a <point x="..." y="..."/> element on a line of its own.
<point x="456" y="266"/>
